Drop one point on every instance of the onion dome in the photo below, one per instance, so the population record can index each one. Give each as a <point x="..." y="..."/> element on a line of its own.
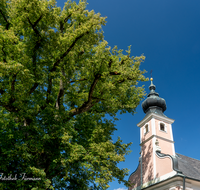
<point x="153" y="103"/>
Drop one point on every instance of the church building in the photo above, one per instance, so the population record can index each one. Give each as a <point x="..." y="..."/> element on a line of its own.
<point x="160" y="168"/>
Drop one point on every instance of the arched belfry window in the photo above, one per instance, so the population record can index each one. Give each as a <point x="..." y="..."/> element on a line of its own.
<point x="162" y="127"/>
<point x="146" y="129"/>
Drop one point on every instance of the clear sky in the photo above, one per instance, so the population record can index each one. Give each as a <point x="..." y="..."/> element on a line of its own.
<point x="167" y="32"/>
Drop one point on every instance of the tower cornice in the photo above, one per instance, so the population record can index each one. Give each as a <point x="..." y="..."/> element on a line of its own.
<point x="156" y="136"/>
<point x="156" y="116"/>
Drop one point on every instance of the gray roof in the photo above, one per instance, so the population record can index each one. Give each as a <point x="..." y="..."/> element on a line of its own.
<point x="190" y="167"/>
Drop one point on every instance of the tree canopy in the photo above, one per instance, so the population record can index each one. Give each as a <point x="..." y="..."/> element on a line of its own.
<point x="58" y="81"/>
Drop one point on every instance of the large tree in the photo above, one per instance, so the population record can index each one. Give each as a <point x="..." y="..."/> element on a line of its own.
<point x="58" y="81"/>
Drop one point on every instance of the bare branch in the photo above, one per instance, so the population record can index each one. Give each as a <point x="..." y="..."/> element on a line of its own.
<point x="96" y="79"/>
<point x="4" y="58"/>
<point x="37" y="21"/>
<point x="60" y="94"/>
<point x="68" y="50"/>
<point x="90" y="103"/>
<point x="8" y="24"/>
<point x="57" y="63"/>
<point x="122" y="62"/>
<point x="35" y="49"/>
<point x="115" y="73"/>
<point x="34" y="26"/>
<point x="96" y="98"/>
<point x="130" y="78"/>
<point x="33" y="88"/>
<point x="62" y="23"/>
<point x="9" y="106"/>
<point x="76" y="80"/>
<point x="85" y="107"/>
<point x="120" y="81"/>
<point x="49" y="89"/>
<point x="2" y="91"/>
<point x="65" y="20"/>
<point x="110" y="63"/>
<point x="13" y="83"/>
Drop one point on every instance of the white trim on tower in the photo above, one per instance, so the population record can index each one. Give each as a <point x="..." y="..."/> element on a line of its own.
<point x="154" y="145"/>
<point x="173" y="148"/>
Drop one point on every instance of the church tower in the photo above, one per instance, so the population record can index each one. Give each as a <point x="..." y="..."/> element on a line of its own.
<point x="160" y="168"/>
<point x="156" y="139"/>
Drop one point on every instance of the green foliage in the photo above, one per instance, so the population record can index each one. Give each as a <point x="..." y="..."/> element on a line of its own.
<point x="58" y="80"/>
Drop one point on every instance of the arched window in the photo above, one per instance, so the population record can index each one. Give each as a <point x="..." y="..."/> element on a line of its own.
<point x="146" y="128"/>
<point x="162" y="127"/>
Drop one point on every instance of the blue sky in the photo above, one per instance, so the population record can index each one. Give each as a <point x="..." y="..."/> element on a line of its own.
<point x="167" y="32"/>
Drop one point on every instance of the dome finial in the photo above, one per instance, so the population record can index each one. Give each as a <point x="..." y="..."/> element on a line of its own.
<point x="152" y="87"/>
<point x="151" y="79"/>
